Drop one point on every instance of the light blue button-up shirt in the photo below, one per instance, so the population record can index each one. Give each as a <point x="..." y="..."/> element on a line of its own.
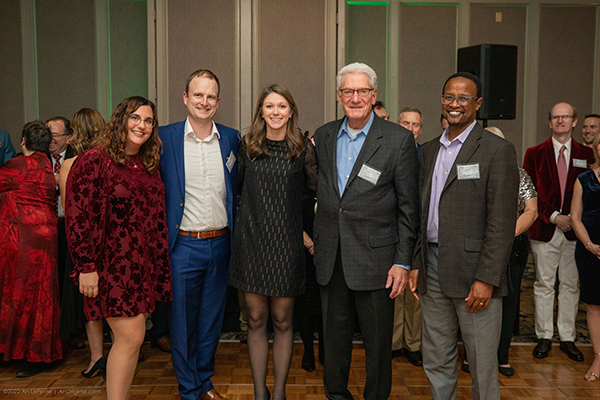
<point x="347" y="150"/>
<point x="443" y="164"/>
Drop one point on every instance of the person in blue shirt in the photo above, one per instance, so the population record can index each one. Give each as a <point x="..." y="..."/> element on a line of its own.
<point x="7" y="151"/>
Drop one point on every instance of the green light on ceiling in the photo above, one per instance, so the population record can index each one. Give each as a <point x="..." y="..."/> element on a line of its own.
<point x="368" y="3"/>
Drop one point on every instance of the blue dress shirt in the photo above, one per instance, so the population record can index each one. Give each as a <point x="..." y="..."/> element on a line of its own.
<point x="347" y="150"/>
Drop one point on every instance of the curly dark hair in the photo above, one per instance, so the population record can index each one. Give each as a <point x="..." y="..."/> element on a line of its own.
<point x="113" y="138"/>
<point x="256" y="137"/>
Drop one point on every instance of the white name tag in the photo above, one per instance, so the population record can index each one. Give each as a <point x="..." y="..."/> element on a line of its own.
<point x="579" y="163"/>
<point x="468" y="171"/>
<point x="369" y="174"/>
<point x="230" y="161"/>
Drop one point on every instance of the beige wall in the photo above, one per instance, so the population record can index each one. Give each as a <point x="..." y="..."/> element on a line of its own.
<point x="201" y="34"/>
<point x="291" y="53"/>
<point x="366" y="40"/>
<point x="53" y="51"/>
<point x="11" y="71"/>
<point x="511" y="30"/>
<point x="128" y="50"/>
<point x="59" y="46"/>
<point x="287" y="42"/>
<point x="66" y="56"/>
<point x="427" y="58"/>
<point x="566" y="62"/>
<point x="557" y="53"/>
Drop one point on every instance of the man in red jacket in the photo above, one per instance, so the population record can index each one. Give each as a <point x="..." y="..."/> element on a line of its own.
<point x="553" y="166"/>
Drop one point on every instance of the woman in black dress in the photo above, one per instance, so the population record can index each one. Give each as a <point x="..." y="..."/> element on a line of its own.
<point x="267" y="262"/>
<point x="585" y="220"/>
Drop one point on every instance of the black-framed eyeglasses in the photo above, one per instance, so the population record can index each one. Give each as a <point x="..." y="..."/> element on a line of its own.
<point x="55" y="135"/>
<point x="462" y="100"/>
<point x="137" y="119"/>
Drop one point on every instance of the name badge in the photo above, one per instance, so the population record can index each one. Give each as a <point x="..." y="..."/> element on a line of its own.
<point x="369" y="174"/>
<point x="468" y="171"/>
<point x="230" y="161"/>
<point x="579" y="163"/>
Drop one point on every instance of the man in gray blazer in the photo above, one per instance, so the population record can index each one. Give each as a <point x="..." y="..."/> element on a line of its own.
<point x="469" y="187"/>
<point x="365" y="231"/>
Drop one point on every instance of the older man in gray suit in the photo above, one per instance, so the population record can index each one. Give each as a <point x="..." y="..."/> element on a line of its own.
<point x="469" y="186"/>
<point x="365" y="231"/>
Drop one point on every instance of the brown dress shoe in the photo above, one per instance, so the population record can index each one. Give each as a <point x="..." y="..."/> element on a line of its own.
<point x="164" y="344"/>
<point x="211" y="395"/>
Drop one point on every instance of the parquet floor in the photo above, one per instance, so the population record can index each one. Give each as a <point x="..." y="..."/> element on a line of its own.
<point x="555" y="377"/>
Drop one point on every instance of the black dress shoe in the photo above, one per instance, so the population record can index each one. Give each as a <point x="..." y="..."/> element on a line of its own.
<point x="465" y="368"/>
<point x="308" y="362"/>
<point x="572" y="351"/>
<point x="506" y="371"/>
<point x="414" y="357"/>
<point x="99" y="366"/>
<point x="32" y="369"/>
<point x="542" y="349"/>
<point x="396" y="353"/>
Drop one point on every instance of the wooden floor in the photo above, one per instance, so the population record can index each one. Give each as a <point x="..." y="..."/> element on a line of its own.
<point x="555" y="377"/>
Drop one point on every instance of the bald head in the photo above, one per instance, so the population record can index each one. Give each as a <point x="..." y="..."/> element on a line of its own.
<point x="562" y="121"/>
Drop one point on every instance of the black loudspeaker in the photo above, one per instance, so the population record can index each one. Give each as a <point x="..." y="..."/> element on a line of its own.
<point x="496" y="67"/>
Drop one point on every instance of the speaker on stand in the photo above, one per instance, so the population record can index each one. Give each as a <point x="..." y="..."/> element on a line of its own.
<point x="496" y="66"/>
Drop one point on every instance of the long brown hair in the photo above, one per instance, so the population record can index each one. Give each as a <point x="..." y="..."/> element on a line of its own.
<point x="256" y="136"/>
<point x="86" y="125"/>
<point x="113" y="139"/>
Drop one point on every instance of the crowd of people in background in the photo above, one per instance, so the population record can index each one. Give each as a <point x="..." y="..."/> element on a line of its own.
<point x="355" y="227"/>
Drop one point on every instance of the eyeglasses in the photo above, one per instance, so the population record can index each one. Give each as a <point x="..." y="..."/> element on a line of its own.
<point x="347" y="93"/>
<point x="557" y="117"/>
<point x="55" y="135"/>
<point x="137" y="119"/>
<point x="462" y="100"/>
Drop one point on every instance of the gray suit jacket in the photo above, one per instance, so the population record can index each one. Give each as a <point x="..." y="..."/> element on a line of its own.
<point x="477" y="216"/>
<point x="374" y="225"/>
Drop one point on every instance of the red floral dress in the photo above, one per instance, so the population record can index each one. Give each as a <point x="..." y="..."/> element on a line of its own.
<point x="116" y="226"/>
<point x="29" y="309"/>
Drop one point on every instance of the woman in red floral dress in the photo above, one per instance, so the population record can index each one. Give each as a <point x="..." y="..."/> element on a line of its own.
<point x="117" y="233"/>
<point x="29" y="310"/>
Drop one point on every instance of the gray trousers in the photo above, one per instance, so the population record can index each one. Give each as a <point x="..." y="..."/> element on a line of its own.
<point x="442" y="316"/>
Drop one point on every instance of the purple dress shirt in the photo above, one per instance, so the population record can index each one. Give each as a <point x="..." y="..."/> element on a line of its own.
<point x="443" y="164"/>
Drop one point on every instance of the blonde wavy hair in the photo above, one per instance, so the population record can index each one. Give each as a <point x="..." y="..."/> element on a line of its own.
<point x="87" y="124"/>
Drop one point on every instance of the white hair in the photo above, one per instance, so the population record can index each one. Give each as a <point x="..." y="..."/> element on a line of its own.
<point x="357" y="68"/>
